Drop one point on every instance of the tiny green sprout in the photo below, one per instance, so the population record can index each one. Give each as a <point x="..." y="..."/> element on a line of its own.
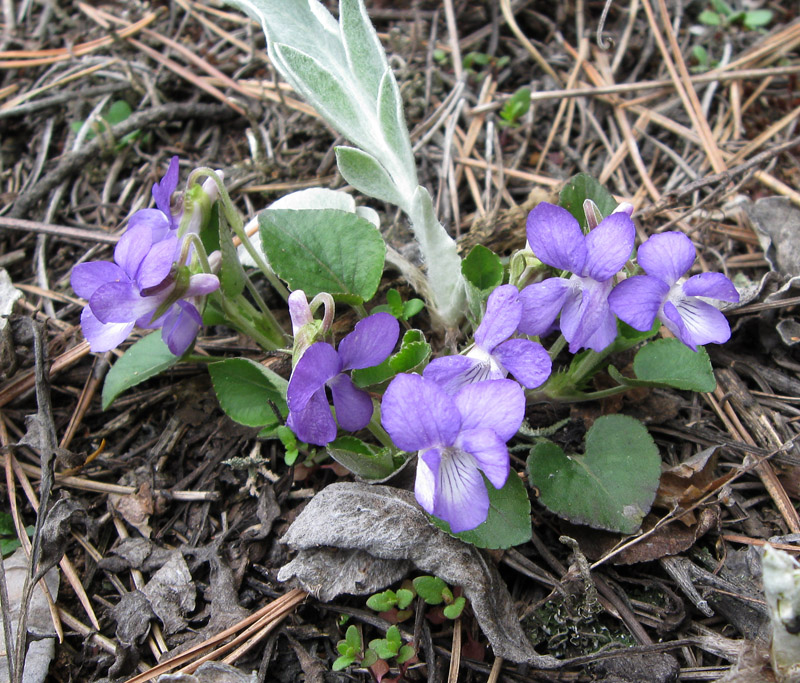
<point x="118" y="112"/>
<point x="454" y="610"/>
<point x="382" y="602"/>
<point x="700" y="55"/>
<point x="406" y="652"/>
<point x="370" y="657"/>
<point x="432" y="589"/>
<point x="349" y="649"/>
<point x="439" y="56"/>
<point x="722" y="14"/>
<point x="402" y="310"/>
<point x="515" y="107"/>
<point x="404" y="598"/>
<point x="289" y="442"/>
<point x="387" y="647"/>
<point x="343" y="619"/>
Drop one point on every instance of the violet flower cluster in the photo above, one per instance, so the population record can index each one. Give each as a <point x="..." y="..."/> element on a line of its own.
<point x="459" y="415"/>
<point x="150" y="284"/>
<point x="588" y="300"/>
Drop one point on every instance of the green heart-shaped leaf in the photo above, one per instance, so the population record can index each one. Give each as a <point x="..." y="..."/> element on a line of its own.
<point x="611" y="486"/>
<point x="671" y="362"/>
<point x="324" y="250"/>
<point x="245" y="390"/>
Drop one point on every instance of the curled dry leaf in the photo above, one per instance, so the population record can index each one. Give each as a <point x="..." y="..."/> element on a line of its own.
<point x="387" y="524"/>
<point x="171" y="593"/>
<point x="40" y="624"/>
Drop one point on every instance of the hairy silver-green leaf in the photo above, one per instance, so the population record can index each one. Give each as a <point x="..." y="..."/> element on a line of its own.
<point x="365" y="173"/>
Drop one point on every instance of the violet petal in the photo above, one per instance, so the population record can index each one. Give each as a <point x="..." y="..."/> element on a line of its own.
<point x="370" y="342"/>
<point x="153" y="220"/>
<point x="583" y="314"/>
<point x="541" y="304"/>
<point x="712" y="285"/>
<point x="202" y="284"/>
<point x="696" y="322"/>
<point x="503" y="313"/>
<point x="87" y="277"/>
<point x="157" y="264"/>
<point x="162" y="192"/>
<point x="556" y="238"/>
<point x="461" y="497"/>
<point x="453" y="372"/>
<point x="497" y="404"/>
<point x="180" y="327"/>
<point x="417" y="413"/>
<point x="103" y="336"/>
<point x="637" y="300"/>
<point x="526" y="360"/>
<point x="353" y="405"/>
<point x="427" y="475"/>
<point x="605" y="333"/>
<point x="132" y="248"/>
<point x="609" y="246"/>
<point x="667" y="256"/>
<point x="490" y="452"/>
<point x="120" y="302"/>
<point x="313" y="423"/>
<point x="319" y="364"/>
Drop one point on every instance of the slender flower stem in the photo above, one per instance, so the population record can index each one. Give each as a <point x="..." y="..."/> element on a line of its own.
<point x="269" y="339"/>
<point x="376" y="429"/>
<point x="557" y="347"/>
<point x="235" y="222"/>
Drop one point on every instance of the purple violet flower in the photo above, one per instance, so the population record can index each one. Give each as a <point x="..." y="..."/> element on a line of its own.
<point x="557" y="240"/>
<point x="458" y="436"/>
<point x="143" y="280"/>
<point x="370" y="343"/>
<point x="666" y="294"/>
<point x="494" y="355"/>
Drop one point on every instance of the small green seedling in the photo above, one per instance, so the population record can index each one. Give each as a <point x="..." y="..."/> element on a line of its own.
<point x="434" y="591"/>
<point x="383" y="602"/>
<point x="118" y="112"/>
<point x="402" y="310"/>
<point x="9" y="541"/>
<point x="722" y="14"/>
<point x="481" y="59"/>
<point x="392" y="646"/>
<point x="515" y="107"/>
<point x="289" y="441"/>
<point x="349" y="649"/>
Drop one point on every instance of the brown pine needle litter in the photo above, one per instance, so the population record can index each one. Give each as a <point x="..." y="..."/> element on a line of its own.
<point x="690" y="145"/>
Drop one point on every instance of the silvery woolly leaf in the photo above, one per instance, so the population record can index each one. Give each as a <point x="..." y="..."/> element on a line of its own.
<point x="365" y="55"/>
<point x="388" y="525"/>
<point x="364" y="173"/>
<point x="393" y="121"/>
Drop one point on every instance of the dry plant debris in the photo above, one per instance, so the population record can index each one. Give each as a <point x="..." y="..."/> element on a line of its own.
<point x="174" y="537"/>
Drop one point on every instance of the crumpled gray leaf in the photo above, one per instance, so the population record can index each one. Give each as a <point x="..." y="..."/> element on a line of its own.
<point x="210" y="672"/>
<point x="171" y="593"/>
<point x="777" y="223"/>
<point x="56" y="532"/>
<point x="267" y="511"/>
<point x="388" y="524"/>
<point x="135" y="553"/>
<point x="222" y="592"/>
<point x="328" y="572"/>
<point x="132" y="614"/>
<point x="41" y="650"/>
